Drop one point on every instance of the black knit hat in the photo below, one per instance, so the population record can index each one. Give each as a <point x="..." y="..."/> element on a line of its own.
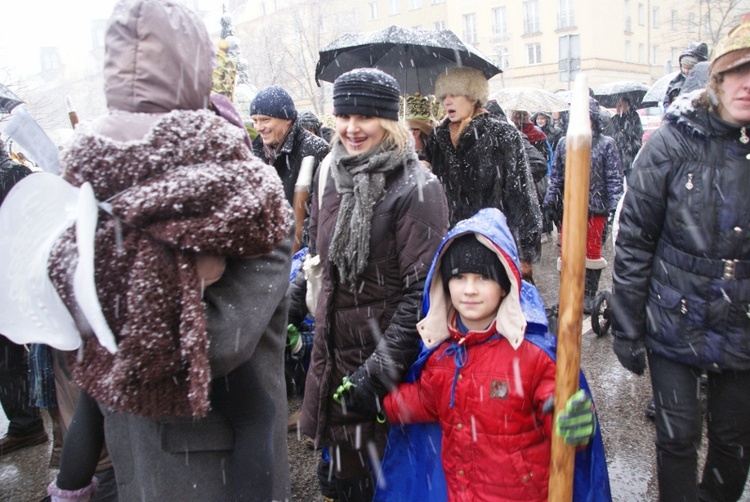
<point x="466" y="255"/>
<point x="366" y="91"/>
<point x="308" y="120"/>
<point x="274" y="102"/>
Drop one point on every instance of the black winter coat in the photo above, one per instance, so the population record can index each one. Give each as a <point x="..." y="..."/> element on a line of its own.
<point x="298" y="144"/>
<point x="488" y="168"/>
<point x="627" y="131"/>
<point x="682" y="260"/>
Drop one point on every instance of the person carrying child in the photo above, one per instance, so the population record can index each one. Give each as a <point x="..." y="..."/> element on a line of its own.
<point x="488" y="386"/>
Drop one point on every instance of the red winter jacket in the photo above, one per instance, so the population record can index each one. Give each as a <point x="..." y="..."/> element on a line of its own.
<point x="496" y="440"/>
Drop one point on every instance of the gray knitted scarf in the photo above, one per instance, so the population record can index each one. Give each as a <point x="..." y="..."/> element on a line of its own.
<point x="360" y="181"/>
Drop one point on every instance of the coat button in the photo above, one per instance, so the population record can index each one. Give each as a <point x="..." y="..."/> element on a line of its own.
<point x="459" y="426"/>
<point x="525" y="479"/>
<point x="461" y="472"/>
<point x="738" y="230"/>
<point x="460" y="376"/>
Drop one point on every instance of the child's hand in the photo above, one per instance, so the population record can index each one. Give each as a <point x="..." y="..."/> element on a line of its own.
<point x="577" y="423"/>
<point x="210" y="268"/>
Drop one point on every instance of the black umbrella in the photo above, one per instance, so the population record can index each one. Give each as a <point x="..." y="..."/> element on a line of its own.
<point x="608" y="94"/>
<point x="656" y="92"/>
<point x="8" y="99"/>
<point x="413" y="57"/>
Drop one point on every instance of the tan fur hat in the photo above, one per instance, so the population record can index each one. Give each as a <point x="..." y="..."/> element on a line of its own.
<point x="462" y="81"/>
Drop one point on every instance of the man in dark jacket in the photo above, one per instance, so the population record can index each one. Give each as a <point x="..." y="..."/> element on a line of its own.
<point x="695" y="52"/>
<point x="283" y="143"/>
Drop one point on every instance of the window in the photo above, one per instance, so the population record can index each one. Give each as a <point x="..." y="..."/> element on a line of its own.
<point x="51" y="59"/>
<point x="655" y="55"/>
<point x="569" y="47"/>
<point x="373" y="10"/>
<point x="628" y="18"/>
<point x="439" y="25"/>
<point x="470" y="28"/>
<point x="501" y="57"/>
<point x="499" y="22"/>
<point x="531" y="17"/>
<point x="628" y="51"/>
<point x="565" y="15"/>
<point x="674" y="20"/>
<point x="655" y="21"/>
<point x="534" y="53"/>
<point x="395" y="6"/>
<point x="641" y="14"/>
<point x="641" y="55"/>
<point x="415" y="4"/>
<point x="435" y="2"/>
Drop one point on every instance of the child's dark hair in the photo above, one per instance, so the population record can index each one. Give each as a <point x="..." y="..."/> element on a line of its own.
<point x="465" y="254"/>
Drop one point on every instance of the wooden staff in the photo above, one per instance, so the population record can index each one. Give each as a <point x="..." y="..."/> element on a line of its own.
<point x="575" y="221"/>
<point x="72" y="114"/>
<point x="301" y="194"/>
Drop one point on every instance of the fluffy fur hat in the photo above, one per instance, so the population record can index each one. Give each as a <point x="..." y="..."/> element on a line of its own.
<point x="463" y="81"/>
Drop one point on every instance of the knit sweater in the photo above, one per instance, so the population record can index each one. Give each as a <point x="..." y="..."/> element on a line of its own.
<point x="190" y="186"/>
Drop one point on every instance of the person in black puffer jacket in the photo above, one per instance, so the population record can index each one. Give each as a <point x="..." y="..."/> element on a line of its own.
<point x="681" y="295"/>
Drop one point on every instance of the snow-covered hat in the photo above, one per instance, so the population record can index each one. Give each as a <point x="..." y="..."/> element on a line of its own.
<point x="463" y="81"/>
<point x="733" y="50"/>
<point x="366" y="91"/>
<point x="274" y="102"/>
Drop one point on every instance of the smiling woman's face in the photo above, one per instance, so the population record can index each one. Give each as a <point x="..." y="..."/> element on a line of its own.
<point x="458" y="108"/>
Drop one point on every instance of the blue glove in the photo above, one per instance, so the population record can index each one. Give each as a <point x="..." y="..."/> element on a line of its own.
<point x="576" y="424"/>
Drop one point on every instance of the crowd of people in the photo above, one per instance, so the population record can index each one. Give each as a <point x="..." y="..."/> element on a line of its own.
<point x="409" y="325"/>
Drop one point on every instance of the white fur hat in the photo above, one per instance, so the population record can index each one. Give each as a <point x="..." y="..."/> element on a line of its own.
<point x="463" y="81"/>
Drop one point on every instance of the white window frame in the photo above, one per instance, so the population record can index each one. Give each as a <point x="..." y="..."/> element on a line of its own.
<point x="499" y="22"/>
<point x="641" y="14"/>
<point x="374" y="11"/>
<point x="530" y="17"/>
<point x="655" y="55"/>
<point x="565" y="14"/>
<point x="655" y="17"/>
<point x="395" y="7"/>
<point x="415" y="4"/>
<point x="470" y="28"/>
<point x="534" y="53"/>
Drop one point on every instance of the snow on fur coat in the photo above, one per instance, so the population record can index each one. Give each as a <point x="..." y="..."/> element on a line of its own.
<point x="488" y="168"/>
<point x="190" y="186"/>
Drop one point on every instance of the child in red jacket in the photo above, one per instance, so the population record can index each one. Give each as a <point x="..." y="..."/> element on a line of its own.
<point x="489" y="388"/>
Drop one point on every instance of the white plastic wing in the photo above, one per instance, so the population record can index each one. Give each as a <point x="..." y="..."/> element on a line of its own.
<point x="34" y="214"/>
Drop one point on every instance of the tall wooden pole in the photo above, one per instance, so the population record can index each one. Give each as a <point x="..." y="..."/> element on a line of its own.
<point x="575" y="220"/>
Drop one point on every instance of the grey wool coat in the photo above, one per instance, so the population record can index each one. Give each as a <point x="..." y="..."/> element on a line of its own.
<point x="186" y="459"/>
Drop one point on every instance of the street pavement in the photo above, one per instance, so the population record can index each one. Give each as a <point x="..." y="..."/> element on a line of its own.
<point x="620" y="399"/>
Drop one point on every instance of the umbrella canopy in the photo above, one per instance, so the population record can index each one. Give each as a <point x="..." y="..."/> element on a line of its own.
<point x="529" y="99"/>
<point x="608" y="94"/>
<point x="8" y="99"/>
<point x="415" y="58"/>
<point x="655" y="94"/>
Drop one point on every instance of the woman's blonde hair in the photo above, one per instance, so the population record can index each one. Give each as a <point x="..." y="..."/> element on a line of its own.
<point x="397" y="136"/>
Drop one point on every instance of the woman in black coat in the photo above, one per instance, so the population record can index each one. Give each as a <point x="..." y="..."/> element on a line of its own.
<point x="681" y="295"/>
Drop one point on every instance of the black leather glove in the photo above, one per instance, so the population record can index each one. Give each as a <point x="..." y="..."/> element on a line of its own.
<point x="357" y="395"/>
<point x="631" y="353"/>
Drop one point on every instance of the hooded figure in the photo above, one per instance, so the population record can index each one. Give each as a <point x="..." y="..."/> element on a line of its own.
<point x="627" y="131"/>
<point x="181" y="186"/>
<point x="695" y="52"/>
<point x="476" y="458"/>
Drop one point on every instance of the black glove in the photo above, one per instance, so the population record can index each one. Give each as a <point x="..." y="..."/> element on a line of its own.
<point x="357" y="395"/>
<point x="631" y="353"/>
